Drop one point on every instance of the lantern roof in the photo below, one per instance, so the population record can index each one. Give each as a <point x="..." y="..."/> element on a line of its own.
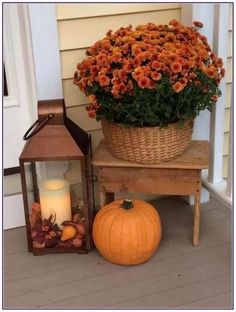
<point x="54" y="136"/>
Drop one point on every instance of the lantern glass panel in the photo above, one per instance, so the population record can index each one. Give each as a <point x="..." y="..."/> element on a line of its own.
<point x="56" y="205"/>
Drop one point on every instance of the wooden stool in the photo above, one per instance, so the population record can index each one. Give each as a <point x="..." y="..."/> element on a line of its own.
<point x="180" y="176"/>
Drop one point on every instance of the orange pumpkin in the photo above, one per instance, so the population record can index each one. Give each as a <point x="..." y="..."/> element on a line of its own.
<point x="127" y="232"/>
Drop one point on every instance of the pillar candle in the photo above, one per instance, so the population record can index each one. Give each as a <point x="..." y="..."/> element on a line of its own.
<point x="54" y="195"/>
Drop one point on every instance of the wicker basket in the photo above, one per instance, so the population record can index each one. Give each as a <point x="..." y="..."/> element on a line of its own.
<point x="147" y="145"/>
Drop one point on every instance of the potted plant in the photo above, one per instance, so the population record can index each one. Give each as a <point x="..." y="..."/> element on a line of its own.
<point x="147" y="85"/>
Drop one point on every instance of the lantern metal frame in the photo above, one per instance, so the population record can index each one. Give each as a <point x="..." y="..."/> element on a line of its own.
<point x="55" y="137"/>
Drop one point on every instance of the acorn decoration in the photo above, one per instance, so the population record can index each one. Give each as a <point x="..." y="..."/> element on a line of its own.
<point x="73" y="232"/>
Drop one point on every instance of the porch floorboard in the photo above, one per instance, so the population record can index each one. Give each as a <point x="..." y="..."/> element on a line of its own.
<point x="179" y="275"/>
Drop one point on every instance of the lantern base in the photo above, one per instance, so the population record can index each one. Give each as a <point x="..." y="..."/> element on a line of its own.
<point x="44" y="251"/>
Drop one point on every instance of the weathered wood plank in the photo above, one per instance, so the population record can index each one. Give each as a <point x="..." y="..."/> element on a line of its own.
<point x="150" y="180"/>
<point x="195" y="157"/>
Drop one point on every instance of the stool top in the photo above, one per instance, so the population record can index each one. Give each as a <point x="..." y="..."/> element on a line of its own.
<point x="195" y="157"/>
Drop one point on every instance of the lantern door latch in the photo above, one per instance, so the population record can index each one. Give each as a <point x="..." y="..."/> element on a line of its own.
<point x="92" y="177"/>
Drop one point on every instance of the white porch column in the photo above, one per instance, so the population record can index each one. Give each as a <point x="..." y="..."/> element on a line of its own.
<point x="203" y="12"/>
<point x="45" y="46"/>
<point x="217" y="120"/>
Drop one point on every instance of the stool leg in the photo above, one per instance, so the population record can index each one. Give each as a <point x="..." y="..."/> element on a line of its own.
<point x="196" y="220"/>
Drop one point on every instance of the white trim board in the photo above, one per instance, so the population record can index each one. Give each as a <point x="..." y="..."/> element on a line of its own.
<point x="13" y="211"/>
<point x="219" y="189"/>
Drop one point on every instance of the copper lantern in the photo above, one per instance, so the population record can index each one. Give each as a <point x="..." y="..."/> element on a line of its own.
<point x="58" y="212"/>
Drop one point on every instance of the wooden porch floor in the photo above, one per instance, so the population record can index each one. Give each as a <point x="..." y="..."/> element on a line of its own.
<point x="178" y="276"/>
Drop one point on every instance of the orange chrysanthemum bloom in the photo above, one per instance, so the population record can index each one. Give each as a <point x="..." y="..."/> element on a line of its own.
<point x="214" y="98"/>
<point x="92" y="114"/>
<point x="103" y="80"/>
<point x="197" y="24"/>
<point x="222" y="72"/>
<point x="176" y="67"/>
<point x="122" y="74"/>
<point x="156" y="76"/>
<point x="94" y="69"/>
<point x="156" y="65"/>
<point x="101" y="59"/>
<point x="174" y="22"/>
<point x="178" y="86"/>
<point x="211" y="72"/>
<point x="219" y="62"/>
<point x="92" y="99"/>
<point x="136" y="63"/>
<point x="116" y="57"/>
<point x="138" y="72"/>
<point x="115" y="90"/>
<point x="82" y="83"/>
<point x="144" y="82"/>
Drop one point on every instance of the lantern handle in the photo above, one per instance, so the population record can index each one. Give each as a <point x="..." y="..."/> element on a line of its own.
<point x="39" y="124"/>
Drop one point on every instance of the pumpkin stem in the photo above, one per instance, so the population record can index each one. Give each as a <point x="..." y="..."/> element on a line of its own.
<point x="127" y="204"/>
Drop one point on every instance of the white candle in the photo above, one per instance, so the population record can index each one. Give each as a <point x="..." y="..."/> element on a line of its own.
<point x="54" y="195"/>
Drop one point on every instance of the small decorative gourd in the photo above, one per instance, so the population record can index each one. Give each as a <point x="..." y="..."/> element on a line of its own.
<point x="127" y="232"/>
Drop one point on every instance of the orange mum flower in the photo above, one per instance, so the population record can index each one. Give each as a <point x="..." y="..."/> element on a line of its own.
<point x="92" y="114"/>
<point x="92" y="99"/>
<point x="144" y="82"/>
<point x="116" y="57"/>
<point x="115" y="91"/>
<point x="204" y="39"/>
<point x="94" y="69"/>
<point x="174" y="22"/>
<point x="122" y="74"/>
<point x="130" y="86"/>
<point x="135" y="62"/>
<point x="178" y="86"/>
<point x="82" y="83"/>
<point x="214" y="98"/>
<point x="122" y="88"/>
<point x="156" y="65"/>
<point x="198" y="24"/>
<point x="101" y="59"/>
<point x="222" y="72"/>
<point x="176" y="67"/>
<point x="211" y="72"/>
<point x="156" y="76"/>
<point x="219" y="62"/>
<point x="128" y="66"/>
<point x="141" y="57"/>
<point x="103" y="80"/>
<point x="138" y="72"/>
<point x="203" y="54"/>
